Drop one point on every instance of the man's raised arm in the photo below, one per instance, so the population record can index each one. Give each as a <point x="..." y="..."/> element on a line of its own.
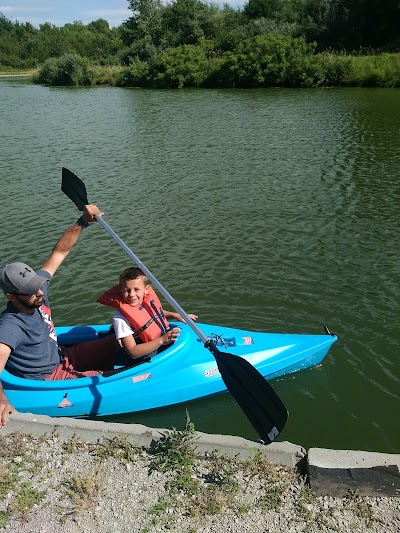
<point x="67" y="241"/>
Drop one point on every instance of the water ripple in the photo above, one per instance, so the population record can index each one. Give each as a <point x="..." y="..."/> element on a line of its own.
<point x="274" y="210"/>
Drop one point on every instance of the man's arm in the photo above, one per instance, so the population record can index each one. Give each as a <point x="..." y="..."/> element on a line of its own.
<point x="5" y="407"/>
<point x="67" y="241"/>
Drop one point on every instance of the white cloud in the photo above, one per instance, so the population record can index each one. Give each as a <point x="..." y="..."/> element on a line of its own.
<point x="7" y="10"/>
<point x="104" y="13"/>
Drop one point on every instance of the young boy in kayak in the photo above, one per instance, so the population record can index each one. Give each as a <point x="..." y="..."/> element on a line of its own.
<point x="140" y="323"/>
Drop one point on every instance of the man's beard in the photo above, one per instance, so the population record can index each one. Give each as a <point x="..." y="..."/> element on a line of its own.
<point x="34" y="305"/>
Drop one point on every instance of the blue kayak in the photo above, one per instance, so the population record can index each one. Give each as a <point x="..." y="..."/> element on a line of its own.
<point x="184" y="371"/>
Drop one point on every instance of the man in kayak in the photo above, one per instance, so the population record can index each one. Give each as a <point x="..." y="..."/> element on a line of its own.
<point x="28" y="342"/>
<point x="140" y="323"/>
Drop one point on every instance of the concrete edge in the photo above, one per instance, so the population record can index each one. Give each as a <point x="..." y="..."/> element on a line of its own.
<point x="337" y="473"/>
<point x="344" y="472"/>
<point x="91" y="431"/>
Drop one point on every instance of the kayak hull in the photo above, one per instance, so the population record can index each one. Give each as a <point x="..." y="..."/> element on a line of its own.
<point x="181" y="373"/>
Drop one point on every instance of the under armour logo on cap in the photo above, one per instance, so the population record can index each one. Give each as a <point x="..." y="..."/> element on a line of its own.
<point x="23" y="274"/>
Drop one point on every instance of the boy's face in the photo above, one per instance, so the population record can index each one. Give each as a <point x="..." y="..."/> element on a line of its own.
<point x="133" y="291"/>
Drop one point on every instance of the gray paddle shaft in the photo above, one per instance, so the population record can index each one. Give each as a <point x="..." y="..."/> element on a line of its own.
<point x="154" y="280"/>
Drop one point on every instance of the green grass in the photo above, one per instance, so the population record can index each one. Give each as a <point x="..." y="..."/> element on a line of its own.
<point x="24" y="499"/>
<point x="359" y="70"/>
<point x="106" y="75"/>
<point x="8" y="71"/>
<point x="8" y="479"/>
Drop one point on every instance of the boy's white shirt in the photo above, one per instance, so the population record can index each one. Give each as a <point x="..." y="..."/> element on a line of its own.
<point x="121" y="325"/>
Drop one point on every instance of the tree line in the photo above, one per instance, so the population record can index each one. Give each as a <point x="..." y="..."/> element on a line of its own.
<point x="241" y="45"/>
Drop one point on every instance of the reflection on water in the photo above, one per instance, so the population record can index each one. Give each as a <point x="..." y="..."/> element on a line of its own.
<point x="269" y="209"/>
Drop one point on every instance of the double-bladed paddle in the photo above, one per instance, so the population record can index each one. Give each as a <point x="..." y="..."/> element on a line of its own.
<point x="251" y="390"/>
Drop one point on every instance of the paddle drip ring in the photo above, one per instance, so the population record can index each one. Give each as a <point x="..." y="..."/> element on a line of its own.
<point x="218" y="340"/>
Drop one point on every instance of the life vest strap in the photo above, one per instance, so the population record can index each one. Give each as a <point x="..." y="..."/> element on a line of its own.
<point x="159" y="317"/>
<point x="145" y="326"/>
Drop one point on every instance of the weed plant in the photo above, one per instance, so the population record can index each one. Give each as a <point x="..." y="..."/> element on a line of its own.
<point x="118" y="447"/>
<point x="84" y="488"/>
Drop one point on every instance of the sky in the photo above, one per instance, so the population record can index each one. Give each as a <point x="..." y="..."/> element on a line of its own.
<point x="60" y="12"/>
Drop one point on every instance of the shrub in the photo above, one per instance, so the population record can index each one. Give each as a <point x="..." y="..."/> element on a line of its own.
<point x="268" y="61"/>
<point x="136" y="75"/>
<point x="68" y="69"/>
<point x="184" y="66"/>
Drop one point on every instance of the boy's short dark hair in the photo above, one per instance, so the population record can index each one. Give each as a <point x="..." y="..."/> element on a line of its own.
<point x="133" y="273"/>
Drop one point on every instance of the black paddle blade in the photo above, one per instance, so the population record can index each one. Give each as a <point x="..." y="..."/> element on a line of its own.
<point x="74" y="188"/>
<point x="253" y="393"/>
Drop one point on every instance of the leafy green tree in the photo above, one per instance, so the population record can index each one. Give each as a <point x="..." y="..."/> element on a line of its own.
<point x="226" y="27"/>
<point x="263" y="26"/>
<point x="268" y="61"/>
<point x="6" y="26"/>
<point x="182" y="22"/>
<point x="352" y="24"/>
<point x="141" y="33"/>
<point x="48" y="42"/>
<point x="96" y="40"/>
<point x="262" y="8"/>
<point x="305" y="18"/>
<point x="99" y="26"/>
<point x="14" y="43"/>
<point x="22" y="45"/>
<point x="145" y="22"/>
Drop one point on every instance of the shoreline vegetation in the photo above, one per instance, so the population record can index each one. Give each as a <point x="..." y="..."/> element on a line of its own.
<point x="189" y="66"/>
<point x="272" y="61"/>
<point x="194" y="43"/>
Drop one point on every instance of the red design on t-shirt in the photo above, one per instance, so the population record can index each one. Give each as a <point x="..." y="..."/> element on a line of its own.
<point x="46" y="314"/>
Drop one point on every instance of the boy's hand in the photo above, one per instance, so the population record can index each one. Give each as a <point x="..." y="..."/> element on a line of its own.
<point x="181" y="319"/>
<point x="171" y="336"/>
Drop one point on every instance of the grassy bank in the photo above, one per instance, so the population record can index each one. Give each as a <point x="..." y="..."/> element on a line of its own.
<point x="5" y="71"/>
<point x="359" y="71"/>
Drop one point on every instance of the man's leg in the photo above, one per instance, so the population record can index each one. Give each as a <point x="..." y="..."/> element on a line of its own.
<point x="89" y="358"/>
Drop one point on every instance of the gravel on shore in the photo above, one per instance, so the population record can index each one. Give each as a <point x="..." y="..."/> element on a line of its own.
<point x="48" y="485"/>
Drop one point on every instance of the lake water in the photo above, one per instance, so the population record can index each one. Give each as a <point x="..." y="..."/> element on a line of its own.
<point x="272" y="210"/>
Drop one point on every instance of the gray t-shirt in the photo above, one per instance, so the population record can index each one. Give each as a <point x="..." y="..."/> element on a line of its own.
<point x="32" y="339"/>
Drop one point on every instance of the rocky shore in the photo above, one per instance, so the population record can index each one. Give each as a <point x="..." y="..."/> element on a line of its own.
<point x="67" y="476"/>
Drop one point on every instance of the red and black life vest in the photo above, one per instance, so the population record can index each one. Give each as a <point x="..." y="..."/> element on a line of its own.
<point x="147" y="320"/>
